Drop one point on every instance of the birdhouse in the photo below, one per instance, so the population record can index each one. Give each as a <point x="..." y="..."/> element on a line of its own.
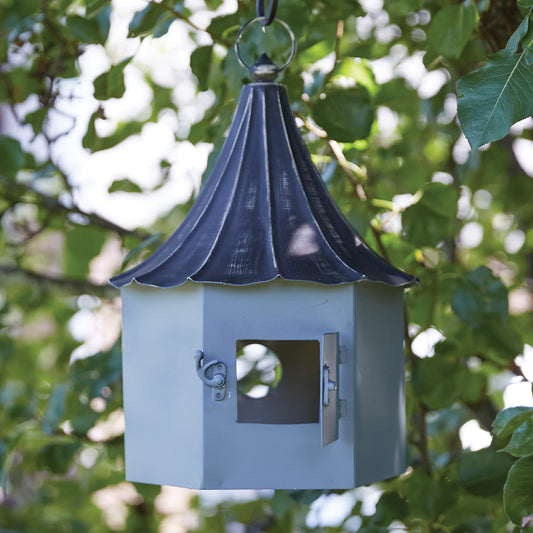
<point x="262" y="342"/>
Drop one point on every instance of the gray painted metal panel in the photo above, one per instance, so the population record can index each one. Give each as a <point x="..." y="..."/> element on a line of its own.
<point x="163" y="402"/>
<point x="284" y="456"/>
<point x="329" y="389"/>
<point x="380" y="402"/>
<point x="176" y="434"/>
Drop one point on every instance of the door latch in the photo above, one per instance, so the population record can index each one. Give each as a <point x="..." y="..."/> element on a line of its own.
<point x="327" y="385"/>
<point x="217" y="381"/>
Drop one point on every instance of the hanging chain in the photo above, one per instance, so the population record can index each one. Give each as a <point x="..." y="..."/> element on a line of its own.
<point x="260" y="7"/>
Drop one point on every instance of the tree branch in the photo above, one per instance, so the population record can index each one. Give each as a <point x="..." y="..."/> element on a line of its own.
<point x="16" y="192"/>
<point x="352" y="171"/>
<point x="419" y="417"/>
<point x="64" y="283"/>
<point x="216" y="38"/>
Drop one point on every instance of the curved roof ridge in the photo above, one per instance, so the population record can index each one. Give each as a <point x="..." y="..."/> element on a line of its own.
<point x="300" y="186"/>
<point x="271" y="218"/>
<point x="242" y="193"/>
<point x="144" y="268"/>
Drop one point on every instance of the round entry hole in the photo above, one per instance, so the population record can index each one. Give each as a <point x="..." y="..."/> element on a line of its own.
<point x="258" y="370"/>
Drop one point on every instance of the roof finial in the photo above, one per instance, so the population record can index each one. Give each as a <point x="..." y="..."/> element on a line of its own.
<point x="264" y="69"/>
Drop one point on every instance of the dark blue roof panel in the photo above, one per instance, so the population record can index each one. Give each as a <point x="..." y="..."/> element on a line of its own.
<point x="264" y="213"/>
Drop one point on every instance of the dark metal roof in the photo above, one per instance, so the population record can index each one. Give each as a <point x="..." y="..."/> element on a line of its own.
<point x="264" y="213"/>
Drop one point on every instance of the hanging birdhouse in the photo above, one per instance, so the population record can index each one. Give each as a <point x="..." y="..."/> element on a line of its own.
<point x="262" y="342"/>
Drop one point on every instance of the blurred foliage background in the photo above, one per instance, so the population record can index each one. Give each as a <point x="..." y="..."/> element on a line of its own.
<point x="374" y="88"/>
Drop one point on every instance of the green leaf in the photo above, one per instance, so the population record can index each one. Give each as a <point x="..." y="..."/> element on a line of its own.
<point x="57" y="456"/>
<point x="281" y="503"/>
<point x="36" y="119"/>
<point x="93" y="7"/>
<point x="11" y="156"/>
<point x="82" y="243"/>
<point x="483" y="472"/>
<point x="124" y="185"/>
<point x="427" y="498"/>
<point x="152" y="240"/>
<point x="101" y="12"/>
<point x="7" y="348"/>
<point x="345" y="114"/>
<point x="517" y="492"/>
<point x="305" y="497"/>
<point x="201" y="64"/>
<point x="391" y="506"/>
<point x="56" y="408"/>
<point x="398" y="96"/>
<point x="110" y="84"/>
<point x="427" y="222"/>
<point x="514" y="41"/>
<point x="521" y="443"/>
<point x="429" y="385"/>
<point x="86" y="30"/>
<point x="508" y="420"/>
<point x="153" y="19"/>
<point x="479" y="296"/>
<point x="213" y="4"/>
<point x="99" y="370"/>
<point x="452" y="27"/>
<point x="92" y="142"/>
<point x="339" y="9"/>
<point x="472" y="385"/>
<point x="493" y="98"/>
<point x="356" y="70"/>
<point x="497" y="338"/>
<point x="400" y="8"/>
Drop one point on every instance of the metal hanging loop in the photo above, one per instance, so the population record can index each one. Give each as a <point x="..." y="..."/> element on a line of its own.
<point x="265" y="70"/>
<point x="272" y="8"/>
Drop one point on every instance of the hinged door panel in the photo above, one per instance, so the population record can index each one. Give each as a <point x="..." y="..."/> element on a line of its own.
<point x="329" y="392"/>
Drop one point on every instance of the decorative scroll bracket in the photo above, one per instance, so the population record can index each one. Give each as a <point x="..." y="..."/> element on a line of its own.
<point x="217" y="381"/>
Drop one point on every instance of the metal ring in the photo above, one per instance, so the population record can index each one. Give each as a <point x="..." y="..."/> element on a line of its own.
<point x="272" y="8"/>
<point x="258" y="19"/>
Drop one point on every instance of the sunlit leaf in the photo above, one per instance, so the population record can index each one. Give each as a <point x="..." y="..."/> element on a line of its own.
<point x="452" y="26"/>
<point x="345" y="114"/>
<point x="124" y="185"/>
<point x="200" y="65"/>
<point x="493" y="98"/>
<point x="110" y="84"/>
<point x="521" y="443"/>
<point x="11" y="156"/>
<point x="82" y="243"/>
<point x="152" y="19"/>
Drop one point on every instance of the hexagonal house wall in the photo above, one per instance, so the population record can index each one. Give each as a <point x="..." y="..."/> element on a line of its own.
<point x="264" y="258"/>
<point x="176" y="434"/>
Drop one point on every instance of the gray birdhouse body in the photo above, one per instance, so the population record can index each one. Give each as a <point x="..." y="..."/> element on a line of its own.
<point x="262" y="342"/>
